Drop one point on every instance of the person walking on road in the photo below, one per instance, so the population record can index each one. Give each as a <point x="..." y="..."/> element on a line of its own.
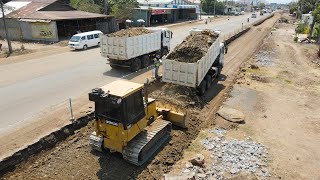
<point x="248" y="20"/>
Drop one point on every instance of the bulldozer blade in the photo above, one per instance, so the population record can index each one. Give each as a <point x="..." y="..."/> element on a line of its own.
<point x="172" y="113"/>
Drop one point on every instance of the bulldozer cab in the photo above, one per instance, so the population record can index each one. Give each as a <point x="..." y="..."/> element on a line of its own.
<point x="119" y="102"/>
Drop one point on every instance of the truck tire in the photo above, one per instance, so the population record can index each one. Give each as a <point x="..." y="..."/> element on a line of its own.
<point x="201" y="89"/>
<point x="145" y="61"/>
<point x="219" y="71"/>
<point x="135" y="64"/>
<point x="114" y="66"/>
<point x="164" y="52"/>
<point x="85" y="47"/>
<point x="208" y="79"/>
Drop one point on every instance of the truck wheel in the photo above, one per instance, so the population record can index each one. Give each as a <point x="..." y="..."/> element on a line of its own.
<point x="85" y="47"/>
<point x="135" y="64"/>
<point x="202" y="88"/>
<point x="208" y="79"/>
<point x="164" y="52"/>
<point x="114" y="66"/>
<point x="219" y="71"/>
<point x="145" y="62"/>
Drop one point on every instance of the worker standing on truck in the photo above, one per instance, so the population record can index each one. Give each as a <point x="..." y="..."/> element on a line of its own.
<point x="157" y="65"/>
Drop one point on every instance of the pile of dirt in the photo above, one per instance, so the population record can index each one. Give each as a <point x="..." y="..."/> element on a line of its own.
<point x="130" y="32"/>
<point x="181" y="96"/>
<point x="194" y="47"/>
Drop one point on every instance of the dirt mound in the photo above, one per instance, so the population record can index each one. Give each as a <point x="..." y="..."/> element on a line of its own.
<point x="194" y="47"/>
<point x="183" y="97"/>
<point x="130" y="32"/>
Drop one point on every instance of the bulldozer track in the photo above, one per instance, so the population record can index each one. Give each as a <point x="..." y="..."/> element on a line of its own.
<point x="144" y="145"/>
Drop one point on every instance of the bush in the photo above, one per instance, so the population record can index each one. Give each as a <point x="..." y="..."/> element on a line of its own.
<point x="295" y="39"/>
<point x="306" y="30"/>
<point x="300" y="28"/>
<point x="22" y="47"/>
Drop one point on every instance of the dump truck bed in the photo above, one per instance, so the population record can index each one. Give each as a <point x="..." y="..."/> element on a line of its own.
<point x="190" y="74"/>
<point x="124" y="48"/>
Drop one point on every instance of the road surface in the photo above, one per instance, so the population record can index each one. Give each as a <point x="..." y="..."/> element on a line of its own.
<point x="27" y="88"/>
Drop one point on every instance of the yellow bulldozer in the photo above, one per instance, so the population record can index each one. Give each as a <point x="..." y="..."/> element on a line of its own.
<point x="129" y="122"/>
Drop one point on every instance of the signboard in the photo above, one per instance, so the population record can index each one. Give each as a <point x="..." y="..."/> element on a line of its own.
<point x="160" y="11"/>
<point x="43" y="30"/>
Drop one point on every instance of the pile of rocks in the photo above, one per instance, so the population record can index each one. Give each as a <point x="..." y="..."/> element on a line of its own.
<point x="264" y="58"/>
<point x="231" y="157"/>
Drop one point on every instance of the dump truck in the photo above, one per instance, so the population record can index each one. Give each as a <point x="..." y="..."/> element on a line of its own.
<point x="127" y="121"/>
<point x="134" y="50"/>
<point x="200" y="73"/>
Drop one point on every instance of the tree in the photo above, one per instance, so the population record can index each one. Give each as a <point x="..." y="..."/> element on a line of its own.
<point x="262" y="5"/>
<point x="293" y="7"/>
<point x="123" y="9"/>
<point x="316" y="19"/>
<point x="3" y="9"/>
<point x="209" y="6"/>
<point x="305" y="7"/>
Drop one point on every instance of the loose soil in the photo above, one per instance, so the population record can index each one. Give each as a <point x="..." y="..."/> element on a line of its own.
<point x="130" y="32"/>
<point x="74" y="159"/>
<point x="194" y="47"/>
<point x="281" y="113"/>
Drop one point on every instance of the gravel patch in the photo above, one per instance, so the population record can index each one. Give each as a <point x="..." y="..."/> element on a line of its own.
<point x="232" y="157"/>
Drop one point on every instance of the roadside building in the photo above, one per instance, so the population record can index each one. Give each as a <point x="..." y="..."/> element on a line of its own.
<point x="50" y="20"/>
<point x="165" y="11"/>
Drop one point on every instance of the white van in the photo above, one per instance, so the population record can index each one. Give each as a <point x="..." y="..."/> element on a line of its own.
<point x="85" y="40"/>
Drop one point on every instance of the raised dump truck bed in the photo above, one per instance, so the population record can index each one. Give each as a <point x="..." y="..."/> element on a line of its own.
<point x="198" y="74"/>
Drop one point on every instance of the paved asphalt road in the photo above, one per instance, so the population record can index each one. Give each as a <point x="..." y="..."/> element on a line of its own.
<point x="27" y="88"/>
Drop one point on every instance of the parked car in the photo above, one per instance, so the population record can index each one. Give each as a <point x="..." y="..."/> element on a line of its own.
<point x="85" y="40"/>
<point x="242" y="13"/>
<point x="253" y="15"/>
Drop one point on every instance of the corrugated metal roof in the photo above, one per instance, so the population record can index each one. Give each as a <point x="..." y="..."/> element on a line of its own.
<point x="154" y="1"/>
<point x="12" y="6"/>
<point x="63" y="15"/>
<point x="31" y="10"/>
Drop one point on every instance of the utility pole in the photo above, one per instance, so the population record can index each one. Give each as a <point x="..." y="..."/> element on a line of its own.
<point x="214" y="8"/>
<point x="5" y="28"/>
<point x="105" y="6"/>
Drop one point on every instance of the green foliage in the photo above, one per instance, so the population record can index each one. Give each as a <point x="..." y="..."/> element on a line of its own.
<point x="300" y="29"/>
<point x="123" y="9"/>
<point x="295" y="39"/>
<point x="87" y="5"/>
<point x="308" y="5"/>
<point x="293" y="7"/>
<point x="209" y="5"/>
<point x="262" y="5"/>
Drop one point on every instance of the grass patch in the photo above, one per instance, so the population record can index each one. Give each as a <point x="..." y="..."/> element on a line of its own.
<point x="287" y="81"/>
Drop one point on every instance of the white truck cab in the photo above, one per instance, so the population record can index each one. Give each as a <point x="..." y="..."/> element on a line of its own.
<point x="85" y="40"/>
<point x="166" y="36"/>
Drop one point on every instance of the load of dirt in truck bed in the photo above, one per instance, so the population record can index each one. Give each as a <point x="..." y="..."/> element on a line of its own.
<point x="130" y="32"/>
<point x="194" y="47"/>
